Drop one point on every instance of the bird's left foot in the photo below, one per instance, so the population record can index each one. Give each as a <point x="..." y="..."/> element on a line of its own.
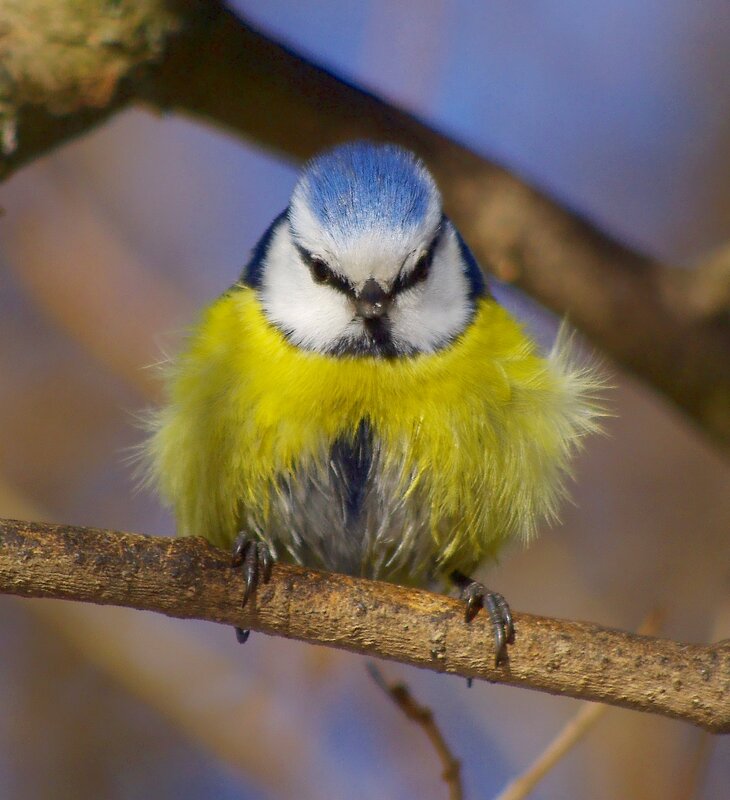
<point x="478" y="596"/>
<point x="256" y="561"/>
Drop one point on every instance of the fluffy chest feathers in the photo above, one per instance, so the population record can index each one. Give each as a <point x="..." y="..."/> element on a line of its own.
<point x="424" y="462"/>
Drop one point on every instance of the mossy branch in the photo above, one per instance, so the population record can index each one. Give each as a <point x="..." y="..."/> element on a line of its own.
<point x="189" y="578"/>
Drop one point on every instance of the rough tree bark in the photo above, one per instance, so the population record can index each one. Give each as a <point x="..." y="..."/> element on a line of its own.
<point x="199" y="59"/>
<point x="190" y="578"/>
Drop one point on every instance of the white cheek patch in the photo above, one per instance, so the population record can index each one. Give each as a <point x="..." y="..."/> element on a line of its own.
<point x="433" y="313"/>
<point x="312" y="315"/>
<point x="317" y="317"/>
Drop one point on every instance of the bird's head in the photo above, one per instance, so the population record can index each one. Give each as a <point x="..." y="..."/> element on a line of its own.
<point x="363" y="261"/>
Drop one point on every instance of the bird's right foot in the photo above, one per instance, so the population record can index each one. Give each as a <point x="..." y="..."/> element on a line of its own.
<point x="478" y="596"/>
<point x="256" y="561"/>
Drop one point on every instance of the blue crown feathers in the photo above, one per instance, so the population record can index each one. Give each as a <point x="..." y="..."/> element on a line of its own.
<point x="362" y="186"/>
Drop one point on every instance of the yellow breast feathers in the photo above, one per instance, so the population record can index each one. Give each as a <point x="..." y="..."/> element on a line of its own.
<point x="478" y="435"/>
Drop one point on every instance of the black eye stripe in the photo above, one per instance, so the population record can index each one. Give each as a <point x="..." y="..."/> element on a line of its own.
<point x="321" y="273"/>
<point x="422" y="268"/>
<point x="423" y="265"/>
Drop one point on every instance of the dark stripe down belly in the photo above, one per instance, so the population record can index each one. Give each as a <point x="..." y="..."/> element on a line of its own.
<point x="351" y="461"/>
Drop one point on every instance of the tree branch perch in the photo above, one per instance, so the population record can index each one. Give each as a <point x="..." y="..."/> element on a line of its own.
<point x="191" y="579"/>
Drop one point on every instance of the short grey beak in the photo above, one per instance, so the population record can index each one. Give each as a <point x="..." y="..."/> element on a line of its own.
<point x="373" y="301"/>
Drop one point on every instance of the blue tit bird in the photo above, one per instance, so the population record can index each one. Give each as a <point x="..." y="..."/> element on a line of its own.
<point x="359" y="402"/>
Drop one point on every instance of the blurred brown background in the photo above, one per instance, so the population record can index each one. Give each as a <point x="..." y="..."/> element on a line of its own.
<point x="110" y="245"/>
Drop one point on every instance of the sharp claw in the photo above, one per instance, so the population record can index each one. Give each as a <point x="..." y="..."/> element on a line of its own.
<point x="500" y="651"/>
<point x="474" y="596"/>
<point x="506" y="614"/>
<point x="474" y="602"/>
<point x="492" y="606"/>
<point x="257" y="561"/>
<point x="500" y="616"/>
<point x="250" y="571"/>
<point x="239" y="549"/>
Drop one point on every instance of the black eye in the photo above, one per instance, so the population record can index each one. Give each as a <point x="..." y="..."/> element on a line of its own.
<point x="422" y="268"/>
<point x="320" y="271"/>
<point x="322" y="274"/>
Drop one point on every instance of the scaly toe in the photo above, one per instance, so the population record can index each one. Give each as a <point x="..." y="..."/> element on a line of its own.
<point x="478" y="596"/>
<point x="256" y="561"/>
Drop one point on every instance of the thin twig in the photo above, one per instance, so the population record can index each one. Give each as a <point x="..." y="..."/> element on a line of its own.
<point x="190" y="578"/>
<point x="573" y="731"/>
<point x="401" y="695"/>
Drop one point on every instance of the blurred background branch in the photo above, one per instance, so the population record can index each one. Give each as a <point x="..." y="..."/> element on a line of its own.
<point x="189" y="578"/>
<point x="572" y="732"/>
<point x="422" y="715"/>
<point x="669" y="327"/>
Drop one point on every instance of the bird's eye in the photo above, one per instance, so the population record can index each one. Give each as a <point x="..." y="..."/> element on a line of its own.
<point x="422" y="268"/>
<point x="320" y="271"/>
<point x="322" y="274"/>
